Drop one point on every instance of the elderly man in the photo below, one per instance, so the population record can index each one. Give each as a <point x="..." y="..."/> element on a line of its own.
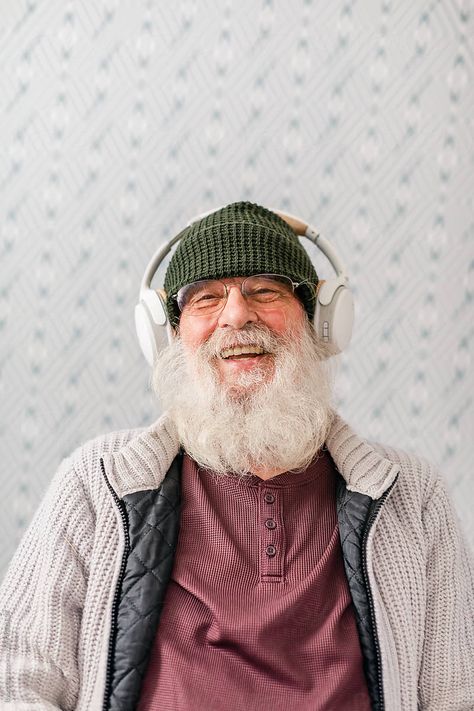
<point x="248" y="550"/>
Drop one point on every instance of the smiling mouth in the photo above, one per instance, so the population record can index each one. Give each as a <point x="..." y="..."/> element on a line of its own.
<point x="242" y="352"/>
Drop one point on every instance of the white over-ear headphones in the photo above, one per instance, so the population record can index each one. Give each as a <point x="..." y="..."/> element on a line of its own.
<point x="334" y="312"/>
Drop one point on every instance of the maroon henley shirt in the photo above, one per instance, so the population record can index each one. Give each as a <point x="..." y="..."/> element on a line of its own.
<point x="257" y="615"/>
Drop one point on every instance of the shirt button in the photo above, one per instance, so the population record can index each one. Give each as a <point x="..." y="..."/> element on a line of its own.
<point x="270" y="523"/>
<point x="269" y="498"/>
<point x="271" y="551"/>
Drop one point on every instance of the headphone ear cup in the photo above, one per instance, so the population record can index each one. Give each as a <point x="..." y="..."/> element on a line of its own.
<point x="334" y="315"/>
<point x="151" y="324"/>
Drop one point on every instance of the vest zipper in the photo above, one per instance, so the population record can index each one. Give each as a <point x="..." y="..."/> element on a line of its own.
<point x="375" y="512"/>
<point x="116" y="600"/>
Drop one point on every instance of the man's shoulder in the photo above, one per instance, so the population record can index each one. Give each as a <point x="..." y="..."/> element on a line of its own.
<point x="91" y="450"/>
<point x="105" y="443"/>
<point x="84" y="460"/>
<point x="371" y="467"/>
<point x="79" y="473"/>
<point x="132" y="458"/>
<point x="402" y="457"/>
<point x="416" y="472"/>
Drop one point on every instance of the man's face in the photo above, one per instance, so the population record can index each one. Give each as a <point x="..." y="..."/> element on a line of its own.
<point x="285" y="317"/>
<point x="234" y="414"/>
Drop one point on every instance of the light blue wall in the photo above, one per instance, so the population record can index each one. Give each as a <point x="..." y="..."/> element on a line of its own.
<point x="120" y="120"/>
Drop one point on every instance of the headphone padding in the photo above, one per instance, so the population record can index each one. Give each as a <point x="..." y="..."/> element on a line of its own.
<point x="334" y="321"/>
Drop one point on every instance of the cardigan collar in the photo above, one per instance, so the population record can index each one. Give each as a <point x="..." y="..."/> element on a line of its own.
<point x="143" y="462"/>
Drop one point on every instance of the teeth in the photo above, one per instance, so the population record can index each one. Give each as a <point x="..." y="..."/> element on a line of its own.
<point x="241" y="350"/>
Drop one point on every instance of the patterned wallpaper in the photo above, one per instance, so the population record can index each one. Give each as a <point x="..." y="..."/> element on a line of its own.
<point x="120" y="120"/>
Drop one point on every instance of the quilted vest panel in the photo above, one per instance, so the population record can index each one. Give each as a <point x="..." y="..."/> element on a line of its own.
<point x="153" y="525"/>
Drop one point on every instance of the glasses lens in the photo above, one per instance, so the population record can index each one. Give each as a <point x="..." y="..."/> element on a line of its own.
<point x="266" y="288"/>
<point x="201" y="297"/>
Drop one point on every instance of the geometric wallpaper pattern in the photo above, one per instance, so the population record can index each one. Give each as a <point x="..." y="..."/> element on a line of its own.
<point x="121" y="120"/>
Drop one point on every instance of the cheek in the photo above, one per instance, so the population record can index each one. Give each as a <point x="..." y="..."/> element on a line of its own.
<point x="284" y="320"/>
<point x="194" y="333"/>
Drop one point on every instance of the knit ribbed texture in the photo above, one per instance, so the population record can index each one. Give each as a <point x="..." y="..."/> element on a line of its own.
<point x="240" y="239"/>
<point x="55" y="602"/>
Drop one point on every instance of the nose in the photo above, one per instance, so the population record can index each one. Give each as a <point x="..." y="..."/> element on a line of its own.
<point x="236" y="312"/>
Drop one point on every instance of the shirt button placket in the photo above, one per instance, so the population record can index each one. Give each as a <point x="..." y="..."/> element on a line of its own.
<point x="271" y="536"/>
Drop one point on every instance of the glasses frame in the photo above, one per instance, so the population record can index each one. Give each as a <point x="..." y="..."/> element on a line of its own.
<point x="294" y="286"/>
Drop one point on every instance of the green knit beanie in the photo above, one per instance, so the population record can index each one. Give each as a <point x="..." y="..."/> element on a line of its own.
<point x="240" y="239"/>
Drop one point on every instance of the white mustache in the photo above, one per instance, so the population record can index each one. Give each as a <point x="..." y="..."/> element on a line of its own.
<point x="249" y="335"/>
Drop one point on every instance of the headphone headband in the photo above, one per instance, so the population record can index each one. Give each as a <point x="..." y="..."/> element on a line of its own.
<point x="306" y="230"/>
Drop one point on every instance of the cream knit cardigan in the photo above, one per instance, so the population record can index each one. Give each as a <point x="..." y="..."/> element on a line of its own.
<point x="55" y="602"/>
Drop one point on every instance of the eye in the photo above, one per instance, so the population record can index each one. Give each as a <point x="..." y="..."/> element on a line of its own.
<point x="205" y="299"/>
<point x="201" y="296"/>
<point x="205" y="296"/>
<point x="265" y="290"/>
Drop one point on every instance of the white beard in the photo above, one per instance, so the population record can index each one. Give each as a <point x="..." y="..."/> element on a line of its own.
<point x="256" y="424"/>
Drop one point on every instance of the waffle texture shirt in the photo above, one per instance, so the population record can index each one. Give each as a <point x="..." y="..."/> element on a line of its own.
<point x="258" y="613"/>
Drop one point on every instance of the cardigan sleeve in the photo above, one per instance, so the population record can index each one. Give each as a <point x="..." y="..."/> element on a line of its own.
<point x="41" y="601"/>
<point x="446" y="678"/>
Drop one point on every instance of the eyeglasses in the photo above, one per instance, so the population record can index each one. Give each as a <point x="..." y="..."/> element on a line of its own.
<point x="210" y="295"/>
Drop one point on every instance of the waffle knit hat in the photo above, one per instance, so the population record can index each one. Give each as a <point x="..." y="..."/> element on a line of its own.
<point x="240" y="239"/>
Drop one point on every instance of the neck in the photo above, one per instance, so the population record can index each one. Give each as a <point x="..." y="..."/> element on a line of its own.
<point x="268" y="474"/>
